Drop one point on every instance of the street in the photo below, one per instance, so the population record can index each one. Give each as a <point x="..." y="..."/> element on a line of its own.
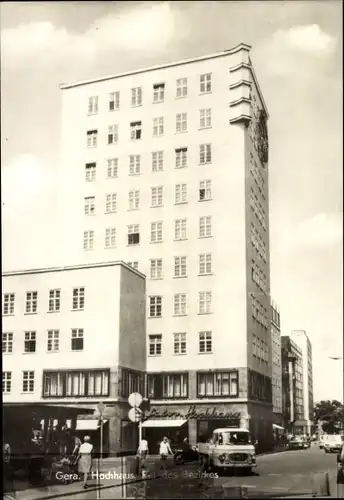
<point x="277" y="475"/>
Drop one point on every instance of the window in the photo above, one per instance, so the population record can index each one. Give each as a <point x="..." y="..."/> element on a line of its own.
<point x="134" y="199"/>
<point x="217" y="384"/>
<point x="172" y="385"/>
<point x="31" y="302"/>
<point x="113" y="134"/>
<point x="157" y="161"/>
<point x="205" y="342"/>
<point x="155" y="345"/>
<point x="155" y="306"/>
<point x="111" y="203"/>
<point x="28" y="381"/>
<point x="131" y="381"/>
<point x="205" y="154"/>
<point x="53" y="340"/>
<point x="90" y="172"/>
<point x="205" y="190"/>
<point x="76" y="383"/>
<point x="7" y="342"/>
<point x="30" y="342"/>
<point x="156" y="232"/>
<point x="112" y="168"/>
<point x="204" y="302"/>
<point x="180" y="229"/>
<point x="78" y="299"/>
<point x="157" y="196"/>
<point x="181" y="123"/>
<point x="179" y="304"/>
<point x="156" y="269"/>
<point x="181" y="193"/>
<point x="93" y="105"/>
<point x="179" y="343"/>
<point x="8" y="304"/>
<point x="54" y="300"/>
<point x="135" y="130"/>
<point x="89" y="207"/>
<point x="134" y="234"/>
<point x="6" y="382"/>
<point x="180" y="267"/>
<point x="88" y="240"/>
<point x="110" y="237"/>
<point x="92" y="136"/>
<point x="77" y="340"/>
<point x="205" y="227"/>
<point x="181" y="157"/>
<point x="205" y="83"/>
<point x="205" y="118"/>
<point x="113" y="101"/>
<point x="134" y="264"/>
<point x="158" y="92"/>
<point x="136" y="96"/>
<point x="182" y="87"/>
<point x="205" y="263"/>
<point x="158" y="126"/>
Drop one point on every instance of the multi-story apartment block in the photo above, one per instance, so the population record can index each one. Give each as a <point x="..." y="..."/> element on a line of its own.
<point x="166" y="168"/>
<point x="275" y="325"/>
<point x="292" y="386"/>
<point x="302" y="341"/>
<point x="73" y="337"/>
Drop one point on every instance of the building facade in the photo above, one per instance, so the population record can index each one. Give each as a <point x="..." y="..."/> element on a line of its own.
<point x="73" y="337"/>
<point x="167" y="169"/>
<point x="301" y="339"/>
<point x="276" y="348"/>
<point x="292" y="386"/>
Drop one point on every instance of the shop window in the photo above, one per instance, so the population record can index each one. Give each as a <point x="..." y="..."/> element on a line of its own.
<point x="76" y="383"/>
<point x="213" y="384"/>
<point x="173" y="385"/>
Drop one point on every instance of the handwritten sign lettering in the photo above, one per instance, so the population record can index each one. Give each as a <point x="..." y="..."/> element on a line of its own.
<point x="194" y="413"/>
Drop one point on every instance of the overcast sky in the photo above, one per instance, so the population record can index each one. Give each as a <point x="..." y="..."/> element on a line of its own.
<point x="297" y="55"/>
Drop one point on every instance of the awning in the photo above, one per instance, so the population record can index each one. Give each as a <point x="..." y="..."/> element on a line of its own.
<point x="275" y="426"/>
<point x="88" y="425"/>
<point x="163" y="423"/>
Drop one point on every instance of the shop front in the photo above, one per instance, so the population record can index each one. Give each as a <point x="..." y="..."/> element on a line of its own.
<point x="195" y="421"/>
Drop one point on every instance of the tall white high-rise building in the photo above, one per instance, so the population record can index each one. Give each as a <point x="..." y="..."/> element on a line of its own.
<point x="166" y="168"/>
<point x="302" y="341"/>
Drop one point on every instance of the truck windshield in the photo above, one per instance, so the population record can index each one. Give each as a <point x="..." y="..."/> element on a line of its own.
<point x="236" y="438"/>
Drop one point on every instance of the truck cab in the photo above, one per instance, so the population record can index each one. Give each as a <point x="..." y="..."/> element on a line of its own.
<point x="228" y="447"/>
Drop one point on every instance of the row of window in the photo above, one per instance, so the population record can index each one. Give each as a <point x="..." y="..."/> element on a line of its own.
<point x="52" y="341"/>
<point x="133" y="233"/>
<point x="260" y="349"/>
<point x="180" y="304"/>
<point x="158" y="128"/>
<point x="181" y="161"/>
<point x="259" y="277"/>
<point x="257" y="176"/>
<point x="63" y="384"/>
<point x="54" y="301"/>
<point x="205" y="343"/>
<point x="180" y="197"/>
<point x="158" y="94"/>
<point x="257" y="209"/>
<point x="259" y="312"/>
<point x="258" y="244"/>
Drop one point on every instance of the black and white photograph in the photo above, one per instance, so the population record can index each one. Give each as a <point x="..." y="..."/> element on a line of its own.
<point x="172" y="241"/>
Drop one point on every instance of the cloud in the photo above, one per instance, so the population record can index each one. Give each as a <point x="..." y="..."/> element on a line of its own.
<point x="298" y="49"/>
<point x="321" y="231"/>
<point x="42" y="43"/>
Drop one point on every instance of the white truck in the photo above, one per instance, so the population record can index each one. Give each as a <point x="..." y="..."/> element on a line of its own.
<point x="227" y="448"/>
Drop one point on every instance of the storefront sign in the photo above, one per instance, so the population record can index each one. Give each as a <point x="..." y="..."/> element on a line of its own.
<point x="193" y="413"/>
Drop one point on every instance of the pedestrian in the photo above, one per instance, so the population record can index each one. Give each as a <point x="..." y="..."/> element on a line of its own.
<point x="85" y="459"/>
<point x="143" y="450"/>
<point x="164" y="451"/>
<point x="340" y="474"/>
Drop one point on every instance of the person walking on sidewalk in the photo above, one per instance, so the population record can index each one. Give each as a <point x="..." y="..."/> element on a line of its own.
<point x="340" y="474"/>
<point x="85" y="459"/>
<point x="165" y="450"/>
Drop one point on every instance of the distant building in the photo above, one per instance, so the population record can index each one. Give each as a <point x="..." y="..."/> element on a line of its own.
<point x="292" y="386"/>
<point x="275" y="325"/>
<point x="72" y="337"/>
<point x="301" y="339"/>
